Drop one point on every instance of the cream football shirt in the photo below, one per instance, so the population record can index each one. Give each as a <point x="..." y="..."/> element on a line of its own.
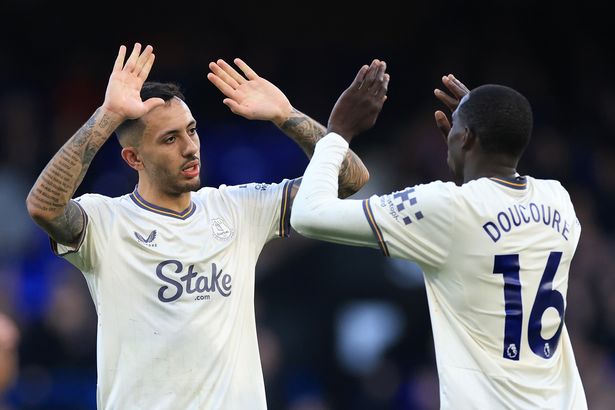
<point x="174" y="294"/>
<point x="495" y="255"/>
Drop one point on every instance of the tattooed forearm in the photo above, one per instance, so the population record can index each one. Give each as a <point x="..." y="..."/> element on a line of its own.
<point x="353" y="175"/>
<point x="49" y="200"/>
<point x="303" y="130"/>
<point x="306" y="132"/>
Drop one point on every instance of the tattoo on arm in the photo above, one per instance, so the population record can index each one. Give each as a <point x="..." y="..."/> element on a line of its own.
<point x="67" y="227"/>
<point x="49" y="201"/>
<point x="306" y="132"/>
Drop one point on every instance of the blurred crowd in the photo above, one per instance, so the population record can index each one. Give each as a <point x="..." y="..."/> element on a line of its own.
<point x="339" y="327"/>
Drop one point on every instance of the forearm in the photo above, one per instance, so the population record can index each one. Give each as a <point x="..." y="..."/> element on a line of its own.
<point x="318" y="213"/>
<point x="50" y="196"/>
<point x="306" y="132"/>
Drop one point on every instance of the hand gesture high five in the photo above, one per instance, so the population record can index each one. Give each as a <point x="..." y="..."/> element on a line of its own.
<point x="458" y="89"/>
<point x="249" y="95"/>
<point x="358" y="107"/>
<point x="123" y="95"/>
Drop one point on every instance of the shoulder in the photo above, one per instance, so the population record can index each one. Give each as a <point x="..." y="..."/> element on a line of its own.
<point x="246" y="190"/>
<point x="434" y="196"/>
<point x="436" y="191"/>
<point x="100" y="201"/>
<point x="550" y="187"/>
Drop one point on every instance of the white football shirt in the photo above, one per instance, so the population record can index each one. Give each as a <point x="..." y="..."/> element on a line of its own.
<point x="495" y="255"/>
<point x="174" y="294"/>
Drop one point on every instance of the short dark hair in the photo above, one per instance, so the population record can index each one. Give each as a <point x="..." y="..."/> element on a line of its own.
<point x="500" y="117"/>
<point x="150" y="89"/>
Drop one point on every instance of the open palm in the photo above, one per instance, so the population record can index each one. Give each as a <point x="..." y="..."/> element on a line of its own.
<point x="123" y="95"/>
<point x="252" y="97"/>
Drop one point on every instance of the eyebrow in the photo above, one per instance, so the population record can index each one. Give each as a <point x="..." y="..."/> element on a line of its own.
<point x="173" y="131"/>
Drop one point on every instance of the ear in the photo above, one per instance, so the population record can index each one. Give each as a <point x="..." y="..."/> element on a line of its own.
<point x="133" y="158"/>
<point x="468" y="140"/>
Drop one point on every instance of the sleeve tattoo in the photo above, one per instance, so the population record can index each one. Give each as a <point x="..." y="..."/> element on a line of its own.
<point x="306" y="132"/>
<point x="49" y="201"/>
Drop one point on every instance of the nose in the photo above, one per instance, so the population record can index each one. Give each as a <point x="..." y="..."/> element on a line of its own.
<point x="191" y="146"/>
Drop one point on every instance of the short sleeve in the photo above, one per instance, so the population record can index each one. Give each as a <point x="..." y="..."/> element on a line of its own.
<point x="266" y="207"/>
<point x="414" y="224"/>
<point x="98" y="213"/>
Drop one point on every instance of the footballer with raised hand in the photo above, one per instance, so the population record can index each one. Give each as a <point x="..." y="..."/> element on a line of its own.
<point x="170" y="266"/>
<point x="495" y="248"/>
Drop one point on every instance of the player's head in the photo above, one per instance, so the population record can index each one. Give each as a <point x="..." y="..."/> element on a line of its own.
<point x="492" y="123"/>
<point x="163" y="145"/>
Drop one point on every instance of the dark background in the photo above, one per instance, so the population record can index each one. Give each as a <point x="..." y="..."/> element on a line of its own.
<point x="339" y="327"/>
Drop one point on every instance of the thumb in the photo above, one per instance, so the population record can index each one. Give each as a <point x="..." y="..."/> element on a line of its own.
<point x="152" y="103"/>
<point x="235" y="107"/>
<point x="442" y="122"/>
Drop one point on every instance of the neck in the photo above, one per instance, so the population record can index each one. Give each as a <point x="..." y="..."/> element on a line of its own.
<point x="153" y="195"/>
<point x="493" y="167"/>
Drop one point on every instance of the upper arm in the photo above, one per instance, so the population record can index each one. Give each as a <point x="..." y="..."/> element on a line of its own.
<point x="67" y="228"/>
<point x="415" y="224"/>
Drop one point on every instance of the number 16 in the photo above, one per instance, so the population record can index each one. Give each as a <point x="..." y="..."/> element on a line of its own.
<point x="546" y="297"/>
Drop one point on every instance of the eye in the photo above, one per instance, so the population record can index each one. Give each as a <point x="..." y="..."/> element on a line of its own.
<point x="192" y="131"/>
<point x="169" y="140"/>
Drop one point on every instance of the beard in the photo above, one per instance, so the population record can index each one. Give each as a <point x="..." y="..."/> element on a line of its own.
<point x="174" y="184"/>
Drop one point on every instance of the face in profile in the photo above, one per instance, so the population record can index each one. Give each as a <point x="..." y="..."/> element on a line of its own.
<point x="170" y="148"/>
<point x="455" y="139"/>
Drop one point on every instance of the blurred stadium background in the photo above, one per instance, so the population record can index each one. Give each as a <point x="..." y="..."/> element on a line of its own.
<point x="339" y="327"/>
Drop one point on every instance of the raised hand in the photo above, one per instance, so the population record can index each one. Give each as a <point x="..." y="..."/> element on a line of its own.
<point x="359" y="105"/>
<point x="123" y="95"/>
<point x="458" y="90"/>
<point x="249" y="95"/>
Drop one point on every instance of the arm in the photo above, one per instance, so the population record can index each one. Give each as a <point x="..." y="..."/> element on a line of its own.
<point x="317" y="213"/>
<point x="49" y="201"/>
<point x="254" y="97"/>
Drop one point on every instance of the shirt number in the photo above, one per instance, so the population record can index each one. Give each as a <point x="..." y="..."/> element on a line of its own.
<point x="546" y="297"/>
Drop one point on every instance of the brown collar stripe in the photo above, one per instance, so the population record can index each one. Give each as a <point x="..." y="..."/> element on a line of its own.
<point x="514" y="183"/>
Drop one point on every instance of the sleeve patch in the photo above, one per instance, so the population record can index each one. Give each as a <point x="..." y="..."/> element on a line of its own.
<point x="403" y="206"/>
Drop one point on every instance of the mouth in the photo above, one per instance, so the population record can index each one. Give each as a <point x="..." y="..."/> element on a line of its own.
<point x="191" y="169"/>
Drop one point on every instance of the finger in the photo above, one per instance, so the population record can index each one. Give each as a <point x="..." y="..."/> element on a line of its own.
<point x="132" y="60"/>
<point x="360" y="77"/>
<point x="143" y="58"/>
<point x="147" y="67"/>
<point x="230" y="71"/>
<point x="455" y="86"/>
<point x="119" y="60"/>
<point x="382" y="91"/>
<point x="247" y="71"/>
<point x="449" y="101"/>
<point x="221" y="85"/>
<point x="459" y="84"/>
<point x="442" y="122"/>
<point x="217" y="70"/>
<point x="380" y="77"/>
<point x="371" y="74"/>
<point x="152" y="103"/>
